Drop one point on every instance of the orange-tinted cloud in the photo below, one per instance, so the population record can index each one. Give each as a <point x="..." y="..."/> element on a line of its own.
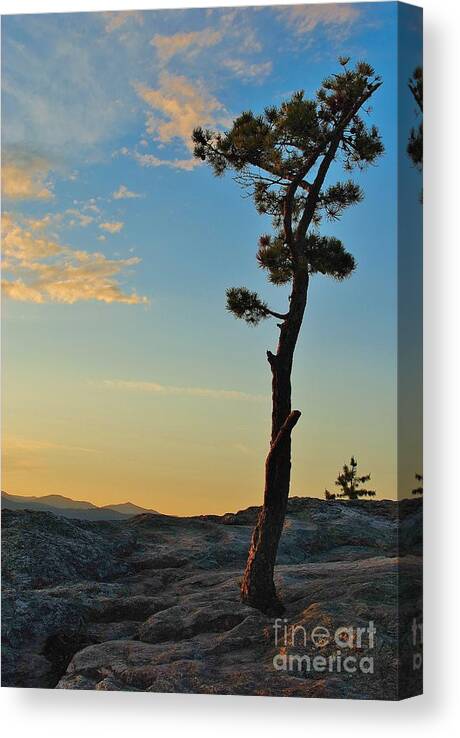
<point x="41" y="270"/>
<point x="192" y="42"/>
<point x="124" y="194"/>
<point x="180" y="106"/>
<point x="112" y="227"/>
<point x="26" y="180"/>
<point x="117" y="19"/>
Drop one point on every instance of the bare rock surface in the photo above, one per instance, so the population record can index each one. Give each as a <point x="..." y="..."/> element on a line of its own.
<point x="152" y="603"/>
<point x="40" y="548"/>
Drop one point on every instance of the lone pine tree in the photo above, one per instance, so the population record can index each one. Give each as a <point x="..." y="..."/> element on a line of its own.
<point x="350" y="483"/>
<point x="282" y="157"/>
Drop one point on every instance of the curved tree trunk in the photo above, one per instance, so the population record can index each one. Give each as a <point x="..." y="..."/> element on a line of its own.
<point x="257" y="587"/>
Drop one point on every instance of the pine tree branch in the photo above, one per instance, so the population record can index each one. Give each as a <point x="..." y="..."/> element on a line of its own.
<point x="290" y="195"/>
<point x="281" y="316"/>
<point x="315" y="189"/>
<point x="284" y="431"/>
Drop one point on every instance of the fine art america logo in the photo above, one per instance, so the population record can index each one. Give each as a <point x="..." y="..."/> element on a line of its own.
<point x="341" y="645"/>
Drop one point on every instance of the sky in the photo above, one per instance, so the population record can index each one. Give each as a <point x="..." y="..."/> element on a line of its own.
<point x="124" y="377"/>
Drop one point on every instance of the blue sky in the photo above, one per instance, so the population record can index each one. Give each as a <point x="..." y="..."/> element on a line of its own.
<point x="125" y="377"/>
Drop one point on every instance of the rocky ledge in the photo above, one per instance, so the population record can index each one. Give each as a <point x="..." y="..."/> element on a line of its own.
<point x="152" y="603"/>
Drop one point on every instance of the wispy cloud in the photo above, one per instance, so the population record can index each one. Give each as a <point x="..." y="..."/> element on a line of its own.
<point x="150" y="160"/>
<point x="337" y="18"/>
<point x="112" y="227"/>
<point x="124" y="194"/>
<point x="185" y="43"/>
<point x="243" y="449"/>
<point x="31" y="444"/>
<point x="65" y="90"/>
<point x="38" y="269"/>
<point x="116" y="19"/>
<point x="171" y="391"/>
<point x="78" y="218"/>
<point x="32" y="455"/>
<point x="70" y="217"/>
<point x="26" y="179"/>
<point x="249" y="72"/>
<point x="236" y="24"/>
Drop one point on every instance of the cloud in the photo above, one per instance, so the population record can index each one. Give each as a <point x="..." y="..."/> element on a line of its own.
<point x="180" y="106"/>
<point x="236" y="24"/>
<point x="89" y="205"/>
<point x="243" y="449"/>
<point x="115" y="20"/>
<point x="114" y="227"/>
<point x="64" y="85"/>
<point x="39" y="224"/>
<point x="39" y="270"/>
<point x="171" y="391"/>
<point x="78" y="218"/>
<point x="71" y="217"/>
<point x="29" y="444"/>
<point x="21" y="245"/>
<point x="124" y="194"/>
<point x="91" y="102"/>
<point x="17" y="290"/>
<point x="335" y="17"/>
<point x="149" y="160"/>
<point x="190" y="43"/>
<point x="27" y="454"/>
<point x="25" y="179"/>
<point x="249" y="72"/>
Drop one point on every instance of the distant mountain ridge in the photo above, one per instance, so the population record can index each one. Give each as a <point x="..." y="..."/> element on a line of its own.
<point x="52" y="500"/>
<point x="68" y="508"/>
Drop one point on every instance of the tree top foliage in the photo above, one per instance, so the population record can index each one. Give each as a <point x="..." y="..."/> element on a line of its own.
<point x="281" y="157"/>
